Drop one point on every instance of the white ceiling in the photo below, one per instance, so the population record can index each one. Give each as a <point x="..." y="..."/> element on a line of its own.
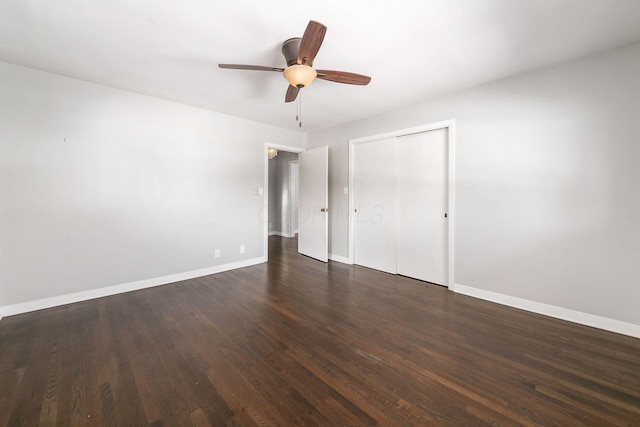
<point x="413" y="49"/>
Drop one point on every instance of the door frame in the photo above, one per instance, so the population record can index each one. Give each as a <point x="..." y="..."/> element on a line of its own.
<point x="265" y="207"/>
<point x="450" y="125"/>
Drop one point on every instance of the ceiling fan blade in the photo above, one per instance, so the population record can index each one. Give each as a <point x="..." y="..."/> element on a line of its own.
<point x="250" y="67"/>
<point x="343" y="77"/>
<point x="311" y="42"/>
<point x="292" y="94"/>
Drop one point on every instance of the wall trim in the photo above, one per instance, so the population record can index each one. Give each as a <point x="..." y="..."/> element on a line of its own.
<point x="579" y="317"/>
<point x="340" y="258"/>
<point x="24" y="307"/>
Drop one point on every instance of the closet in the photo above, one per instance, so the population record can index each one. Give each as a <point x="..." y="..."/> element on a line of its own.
<point x="400" y="190"/>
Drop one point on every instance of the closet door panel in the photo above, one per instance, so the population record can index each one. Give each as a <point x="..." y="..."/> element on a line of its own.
<point x="375" y="202"/>
<point x="421" y="206"/>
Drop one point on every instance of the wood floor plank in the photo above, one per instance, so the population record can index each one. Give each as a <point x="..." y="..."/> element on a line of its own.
<point x="29" y="392"/>
<point x="296" y="342"/>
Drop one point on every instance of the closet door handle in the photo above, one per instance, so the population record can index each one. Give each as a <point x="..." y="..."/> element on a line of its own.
<point x="324" y="209"/>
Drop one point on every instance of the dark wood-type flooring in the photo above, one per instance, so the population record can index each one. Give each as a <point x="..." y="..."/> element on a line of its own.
<point x="296" y="342"/>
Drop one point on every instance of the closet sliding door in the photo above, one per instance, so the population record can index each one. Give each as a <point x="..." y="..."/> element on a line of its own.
<point x="374" y="189"/>
<point x="421" y="180"/>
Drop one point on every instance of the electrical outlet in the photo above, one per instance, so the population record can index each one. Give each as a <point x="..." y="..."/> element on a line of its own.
<point x="241" y="249"/>
<point x="217" y="253"/>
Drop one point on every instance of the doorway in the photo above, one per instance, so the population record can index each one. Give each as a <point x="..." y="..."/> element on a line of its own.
<point x="273" y="190"/>
<point x="283" y="197"/>
<point x="312" y="199"/>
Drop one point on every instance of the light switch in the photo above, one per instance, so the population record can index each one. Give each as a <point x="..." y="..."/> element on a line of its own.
<point x="260" y="191"/>
<point x="346" y="191"/>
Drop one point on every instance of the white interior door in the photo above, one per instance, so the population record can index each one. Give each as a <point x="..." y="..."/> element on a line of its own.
<point x="313" y="198"/>
<point x="374" y="190"/>
<point x="421" y="206"/>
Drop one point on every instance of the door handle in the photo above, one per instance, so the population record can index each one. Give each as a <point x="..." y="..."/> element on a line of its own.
<point x="324" y="209"/>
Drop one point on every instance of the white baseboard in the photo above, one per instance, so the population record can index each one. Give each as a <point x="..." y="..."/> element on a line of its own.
<point x="281" y="234"/>
<point x="10" y="310"/>
<point x="339" y="258"/>
<point x="582" y="318"/>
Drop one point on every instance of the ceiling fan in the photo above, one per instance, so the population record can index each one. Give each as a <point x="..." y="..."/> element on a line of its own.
<point x="299" y="54"/>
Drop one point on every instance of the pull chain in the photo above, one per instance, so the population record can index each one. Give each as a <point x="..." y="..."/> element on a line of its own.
<point x="300" y="109"/>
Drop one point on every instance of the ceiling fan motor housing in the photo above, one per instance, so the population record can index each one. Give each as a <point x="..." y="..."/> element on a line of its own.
<point x="290" y="49"/>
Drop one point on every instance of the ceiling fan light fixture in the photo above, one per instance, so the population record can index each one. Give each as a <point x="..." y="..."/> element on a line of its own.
<point x="299" y="75"/>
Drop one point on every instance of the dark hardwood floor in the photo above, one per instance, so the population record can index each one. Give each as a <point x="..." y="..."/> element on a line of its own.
<point x="299" y="343"/>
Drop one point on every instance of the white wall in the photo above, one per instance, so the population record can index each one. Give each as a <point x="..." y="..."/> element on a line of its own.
<point x="279" y="203"/>
<point x="101" y="187"/>
<point x="547" y="183"/>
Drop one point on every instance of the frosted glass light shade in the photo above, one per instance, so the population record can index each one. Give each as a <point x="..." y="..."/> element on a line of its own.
<point x="300" y="75"/>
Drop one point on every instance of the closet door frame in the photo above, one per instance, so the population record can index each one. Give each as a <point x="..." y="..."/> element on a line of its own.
<point x="450" y="126"/>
